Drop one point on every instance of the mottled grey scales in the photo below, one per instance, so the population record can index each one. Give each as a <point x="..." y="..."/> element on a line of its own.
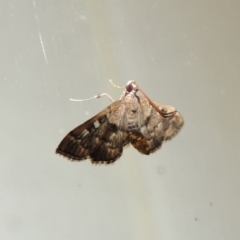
<point x="132" y="119"/>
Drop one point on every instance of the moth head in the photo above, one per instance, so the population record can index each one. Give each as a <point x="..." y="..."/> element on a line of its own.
<point x="131" y="87"/>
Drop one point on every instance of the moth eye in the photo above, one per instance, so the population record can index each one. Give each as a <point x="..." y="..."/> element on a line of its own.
<point x="129" y="88"/>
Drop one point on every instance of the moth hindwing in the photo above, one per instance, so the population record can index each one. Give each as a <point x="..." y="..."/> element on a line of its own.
<point x="132" y="119"/>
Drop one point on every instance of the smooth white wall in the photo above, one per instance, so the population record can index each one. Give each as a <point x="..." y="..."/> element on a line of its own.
<point x="182" y="53"/>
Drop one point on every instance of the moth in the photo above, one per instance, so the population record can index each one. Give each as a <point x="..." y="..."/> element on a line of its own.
<point x="134" y="119"/>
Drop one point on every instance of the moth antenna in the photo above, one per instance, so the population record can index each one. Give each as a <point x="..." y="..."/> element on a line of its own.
<point x="162" y="113"/>
<point x="115" y="84"/>
<point x="96" y="96"/>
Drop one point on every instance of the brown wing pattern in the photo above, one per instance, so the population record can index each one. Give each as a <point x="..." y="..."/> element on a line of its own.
<point x="99" y="138"/>
<point x="154" y="129"/>
<point x="135" y="119"/>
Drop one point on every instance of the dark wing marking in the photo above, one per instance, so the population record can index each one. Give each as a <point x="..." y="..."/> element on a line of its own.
<point x="100" y="138"/>
<point x="154" y="129"/>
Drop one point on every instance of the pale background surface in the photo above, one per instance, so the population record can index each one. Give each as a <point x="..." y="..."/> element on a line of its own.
<point x="182" y="53"/>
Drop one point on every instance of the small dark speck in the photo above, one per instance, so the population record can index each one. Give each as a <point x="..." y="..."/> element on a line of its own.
<point x="196" y="219"/>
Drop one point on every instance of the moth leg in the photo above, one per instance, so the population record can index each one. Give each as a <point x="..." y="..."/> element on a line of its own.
<point x="96" y="96"/>
<point x="168" y="114"/>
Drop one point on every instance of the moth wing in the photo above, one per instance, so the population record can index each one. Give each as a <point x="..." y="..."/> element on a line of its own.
<point x="154" y="128"/>
<point x="100" y="138"/>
